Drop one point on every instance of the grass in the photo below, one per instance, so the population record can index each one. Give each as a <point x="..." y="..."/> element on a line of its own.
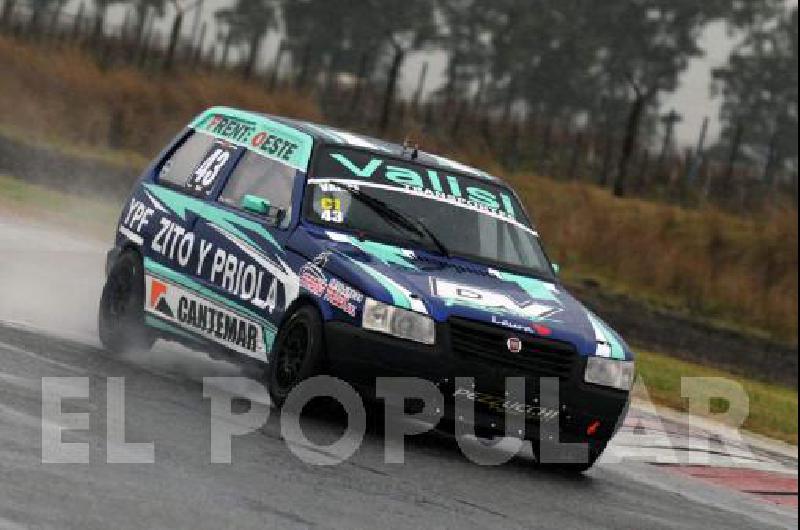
<point x="87" y="215"/>
<point x="737" y="270"/>
<point x="773" y="408"/>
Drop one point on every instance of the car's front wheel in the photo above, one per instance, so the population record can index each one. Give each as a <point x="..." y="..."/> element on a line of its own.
<point x="299" y="353"/>
<point x="120" y="319"/>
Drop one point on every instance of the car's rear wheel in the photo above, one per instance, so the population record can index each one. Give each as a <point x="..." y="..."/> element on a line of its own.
<point x="120" y="319"/>
<point x="299" y="353"/>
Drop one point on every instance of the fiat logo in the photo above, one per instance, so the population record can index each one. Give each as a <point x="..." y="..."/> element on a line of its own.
<point x="514" y="345"/>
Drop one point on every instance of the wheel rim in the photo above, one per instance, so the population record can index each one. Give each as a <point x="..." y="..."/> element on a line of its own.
<point x="291" y="355"/>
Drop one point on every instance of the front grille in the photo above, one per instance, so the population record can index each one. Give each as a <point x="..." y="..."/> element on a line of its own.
<point x="539" y="357"/>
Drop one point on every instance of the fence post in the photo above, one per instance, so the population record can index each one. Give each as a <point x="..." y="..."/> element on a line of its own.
<point x="643" y="180"/>
<point x="669" y="120"/>
<point x="697" y="161"/>
<point x="576" y="154"/>
<point x="734" y="153"/>
<point x="772" y="159"/>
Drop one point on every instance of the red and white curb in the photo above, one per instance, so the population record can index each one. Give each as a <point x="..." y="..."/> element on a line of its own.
<point x="709" y="452"/>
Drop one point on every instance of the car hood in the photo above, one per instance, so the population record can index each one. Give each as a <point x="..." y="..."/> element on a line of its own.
<point x="454" y="287"/>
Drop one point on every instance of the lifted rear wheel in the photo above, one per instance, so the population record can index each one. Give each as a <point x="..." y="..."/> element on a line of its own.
<point x="120" y="319"/>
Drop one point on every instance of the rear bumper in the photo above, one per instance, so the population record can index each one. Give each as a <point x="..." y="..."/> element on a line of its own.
<point x="359" y="356"/>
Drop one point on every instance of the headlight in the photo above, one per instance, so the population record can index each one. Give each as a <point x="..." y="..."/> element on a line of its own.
<point x="609" y="372"/>
<point x="398" y="322"/>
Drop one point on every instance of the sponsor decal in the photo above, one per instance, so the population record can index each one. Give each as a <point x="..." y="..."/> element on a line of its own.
<point x="258" y="134"/>
<point x="136" y="218"/>
<point x="514" y="344"/>
<point x="335" y="292"/>
<point x="187" y="310"/>
<point x="313" y="279"/>
<point x="344" y="297"/>
<point x="532" y="328"/>
<point x="357" y="166"/>
<point x="488" y="299"/>
<point x="247" y="132"/>
<point x="206" y="174"/>
<point x="331" y="209"/>
<point x="502" y="404"/>
<point x="256" y="283"/>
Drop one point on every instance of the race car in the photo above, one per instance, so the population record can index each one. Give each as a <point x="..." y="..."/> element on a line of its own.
<point x="309" y="250"/>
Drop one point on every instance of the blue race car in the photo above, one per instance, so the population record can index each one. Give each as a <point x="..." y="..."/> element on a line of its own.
<point x="310" y="250"/>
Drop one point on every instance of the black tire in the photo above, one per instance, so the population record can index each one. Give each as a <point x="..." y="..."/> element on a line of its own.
<point x="120" y="320"/>
<point x="576" y="468"/>
<point x="299" y="353"/>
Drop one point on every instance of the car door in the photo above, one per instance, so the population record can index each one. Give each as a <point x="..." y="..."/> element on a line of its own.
<point x="242" y="259"/>
<point x="177" y="196"/>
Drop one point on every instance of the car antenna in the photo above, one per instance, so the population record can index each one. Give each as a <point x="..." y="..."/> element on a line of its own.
<point x="413" y="148"/>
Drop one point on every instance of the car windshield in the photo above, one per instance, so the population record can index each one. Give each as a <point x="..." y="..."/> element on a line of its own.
<point x="404" y="202"/>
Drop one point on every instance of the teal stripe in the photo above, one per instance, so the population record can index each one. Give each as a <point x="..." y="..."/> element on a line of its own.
<point x="536" y="289"/>
<point x="261" y="124"/>
<point x="228" y="221"/>
<point x="399" y="298"/>
<point x="170" y="275"/>
<point x="157" y="323"/>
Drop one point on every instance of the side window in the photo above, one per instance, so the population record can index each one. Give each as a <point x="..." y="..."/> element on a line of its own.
<point x="214" y="164"/>
<point x="180" y="166"/>
<point x="263" y="177"/>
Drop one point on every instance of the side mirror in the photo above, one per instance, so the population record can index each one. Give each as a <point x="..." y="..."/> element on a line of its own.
<point x="261" y="206"/>
<point x="255" y="204"/>
<point x="556" y="268"/>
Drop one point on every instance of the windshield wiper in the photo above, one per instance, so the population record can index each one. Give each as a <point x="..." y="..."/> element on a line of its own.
<point x="399" y="218"/>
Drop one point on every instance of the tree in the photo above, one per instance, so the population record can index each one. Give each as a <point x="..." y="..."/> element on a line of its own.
<point x="465" y="36"/>
<point x="247" y="23"/>
<point x="38" y="10"/>
<point x="759" y="87"/>
<point x="644" y="46"/>
<point x="388" y="29"/>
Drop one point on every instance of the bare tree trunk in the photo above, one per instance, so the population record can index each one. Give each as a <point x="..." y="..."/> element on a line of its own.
<point x="174" y="37"/>
<point x="141" y="20"/>
<point x="629" y="144"/>
<point x="99" y="22"/>
<point x="423" y="74"/>
<point x="360" y="77"/>
<point x="391" y="88"/>
<point x="252" y="56"/>
<point x="226" y="48"/>
<point x="55" y="18"/>
<point x="77" y="23"/>
<point x="198" y="46"/>
<point x="276" y="66"/>
<point x="8" y="12"/>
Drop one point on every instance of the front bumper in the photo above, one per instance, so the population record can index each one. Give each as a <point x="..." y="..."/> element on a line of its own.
<point x="583" y="412"/>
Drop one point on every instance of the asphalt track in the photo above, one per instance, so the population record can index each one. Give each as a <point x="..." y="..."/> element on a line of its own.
<point x="49" y="285"/>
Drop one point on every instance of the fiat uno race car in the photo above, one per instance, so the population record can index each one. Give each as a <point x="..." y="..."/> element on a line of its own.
<point x="311" y="250"/>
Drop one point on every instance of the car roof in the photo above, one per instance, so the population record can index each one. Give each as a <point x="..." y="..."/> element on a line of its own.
<point x="324" y="134"/>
